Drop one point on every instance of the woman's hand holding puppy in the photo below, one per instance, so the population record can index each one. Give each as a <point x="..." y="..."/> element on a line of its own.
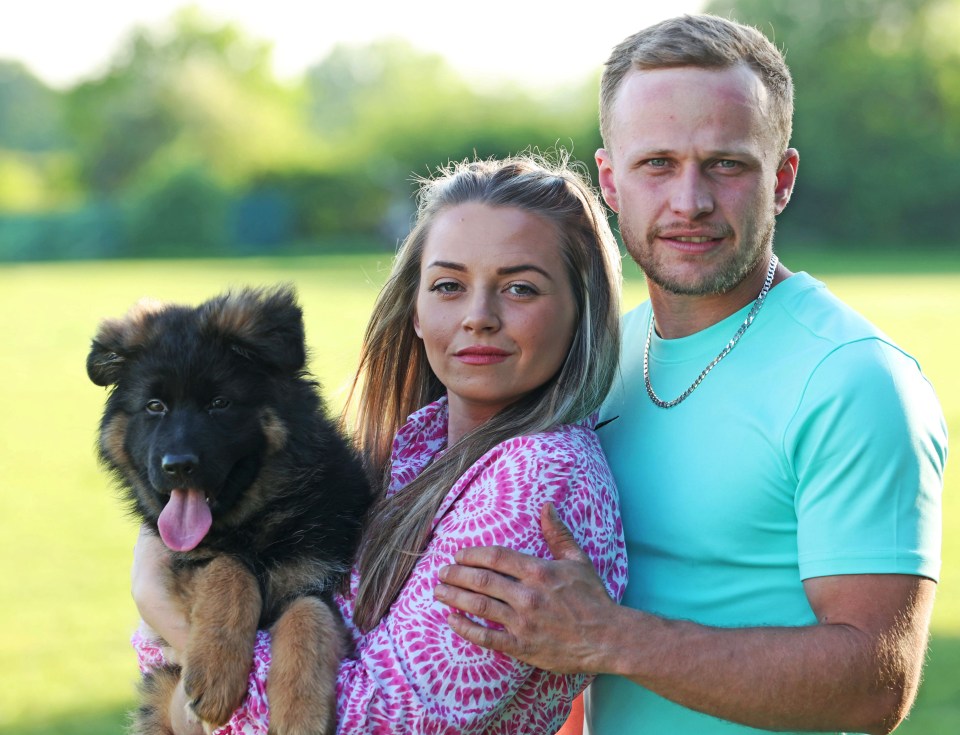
<point x="151" y="568"/>
<point x="151" y="565"/>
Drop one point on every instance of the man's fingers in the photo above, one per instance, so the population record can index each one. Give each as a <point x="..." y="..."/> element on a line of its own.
<point x="477" y="591"/>
<point x="500" y="559"/>
<point x="497" y="640"/>
<point x="559" y="538"/>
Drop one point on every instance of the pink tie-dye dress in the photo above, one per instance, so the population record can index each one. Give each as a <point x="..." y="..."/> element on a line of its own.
<point x="412" y="673"/>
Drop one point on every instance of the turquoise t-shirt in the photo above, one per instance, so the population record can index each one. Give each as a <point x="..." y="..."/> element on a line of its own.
<point x="816" y="447"/>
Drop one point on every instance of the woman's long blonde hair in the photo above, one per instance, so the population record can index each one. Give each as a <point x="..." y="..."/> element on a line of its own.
<point x="394" y="378"/>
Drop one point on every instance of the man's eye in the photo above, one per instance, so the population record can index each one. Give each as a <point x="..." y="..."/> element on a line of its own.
<point x="156" y="407"/>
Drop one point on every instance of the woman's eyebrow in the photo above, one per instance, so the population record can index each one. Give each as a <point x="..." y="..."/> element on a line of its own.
<point x="510" y="270"/>
<point x="447" y="264"/>
<point x="505" y="271"/>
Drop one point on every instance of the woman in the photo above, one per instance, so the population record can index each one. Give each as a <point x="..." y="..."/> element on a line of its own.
<point x="489" y="349"/>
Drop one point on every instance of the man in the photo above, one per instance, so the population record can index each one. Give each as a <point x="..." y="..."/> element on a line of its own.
<point x="779" y="459"/>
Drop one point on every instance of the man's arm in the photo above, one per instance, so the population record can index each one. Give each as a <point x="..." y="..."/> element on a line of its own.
<point x="857" y="669"/>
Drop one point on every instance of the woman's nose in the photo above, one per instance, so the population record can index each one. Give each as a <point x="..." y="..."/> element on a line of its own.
<point x="482" y="313"/>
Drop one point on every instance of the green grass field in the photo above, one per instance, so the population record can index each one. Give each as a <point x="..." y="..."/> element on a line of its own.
<point x="65" y="546"/>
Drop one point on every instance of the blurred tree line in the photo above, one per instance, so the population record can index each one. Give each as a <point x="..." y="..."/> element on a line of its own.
<point x="877" y="119"/>
<point x="189" y="145"/>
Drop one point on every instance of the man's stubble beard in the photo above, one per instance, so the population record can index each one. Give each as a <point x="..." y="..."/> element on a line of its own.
<point x="730" y="273"/>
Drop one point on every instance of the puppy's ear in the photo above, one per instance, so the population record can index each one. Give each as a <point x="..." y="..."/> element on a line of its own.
<point x="104" y="365"/>
<point x="265" y="325"/>
<point x="119" y="340"/>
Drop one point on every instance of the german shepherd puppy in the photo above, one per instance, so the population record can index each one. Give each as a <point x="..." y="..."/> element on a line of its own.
<point x="221" y="444"/>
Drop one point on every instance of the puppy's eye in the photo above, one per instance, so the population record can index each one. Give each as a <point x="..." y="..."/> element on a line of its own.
<point x="218" y="404"/>
<point x="156" y="408"/>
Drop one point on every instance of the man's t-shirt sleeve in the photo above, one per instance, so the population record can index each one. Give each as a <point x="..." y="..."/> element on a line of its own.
<point x="867" y="445"/>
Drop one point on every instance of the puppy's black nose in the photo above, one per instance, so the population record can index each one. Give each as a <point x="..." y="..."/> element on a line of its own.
<point x="179" y="464"/>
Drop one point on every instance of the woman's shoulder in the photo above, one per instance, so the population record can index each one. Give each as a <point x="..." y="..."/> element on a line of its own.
<point x="568" y="442"/>
<point x="567" y="454"/>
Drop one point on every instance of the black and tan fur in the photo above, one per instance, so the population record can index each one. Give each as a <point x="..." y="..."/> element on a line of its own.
<point x="224" y="384"/>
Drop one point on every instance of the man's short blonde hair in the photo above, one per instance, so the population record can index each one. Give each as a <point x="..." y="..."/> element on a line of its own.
<point x="706" y="41"/>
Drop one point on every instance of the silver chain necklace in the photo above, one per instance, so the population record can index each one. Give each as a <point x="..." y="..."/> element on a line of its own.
<point x="723" y="353"/>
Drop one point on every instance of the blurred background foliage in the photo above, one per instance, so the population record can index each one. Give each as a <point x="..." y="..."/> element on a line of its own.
<point x="877" y="117"/>
<point x="188" y="144"/>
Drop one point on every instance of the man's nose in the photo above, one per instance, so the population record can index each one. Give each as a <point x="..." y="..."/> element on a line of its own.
<point x="692" y="195"/>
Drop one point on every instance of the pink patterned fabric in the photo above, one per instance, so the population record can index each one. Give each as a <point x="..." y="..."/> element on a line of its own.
<point x="149" y="651"/>
<point x="412" y="673"/>
<point x="253" y="716"/>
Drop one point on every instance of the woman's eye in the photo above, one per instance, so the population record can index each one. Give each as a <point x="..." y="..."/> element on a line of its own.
<point x="446" y="287"/>
<point x="156" y="407"/>
<point x="219" y="403"/>
<point x="522" y="289"/>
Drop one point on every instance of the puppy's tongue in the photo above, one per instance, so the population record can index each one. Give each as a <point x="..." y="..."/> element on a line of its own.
<point x="184" y="520"/>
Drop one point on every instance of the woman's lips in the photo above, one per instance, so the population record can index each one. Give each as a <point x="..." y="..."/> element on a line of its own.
<point x="480" y="355"/>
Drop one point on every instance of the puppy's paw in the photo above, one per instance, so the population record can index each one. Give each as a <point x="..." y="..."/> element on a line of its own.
<point x="307" y="644"/>
<point x="215" y="688"/>
<point x="223" y="624"/>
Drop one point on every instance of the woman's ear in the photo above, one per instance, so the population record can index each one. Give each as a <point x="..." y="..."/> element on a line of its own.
<point x="416" y="324"/>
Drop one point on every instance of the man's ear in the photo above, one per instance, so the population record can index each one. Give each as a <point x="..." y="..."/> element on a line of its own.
<point x="608" y="186"/>
<point x="786" y="178"/>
